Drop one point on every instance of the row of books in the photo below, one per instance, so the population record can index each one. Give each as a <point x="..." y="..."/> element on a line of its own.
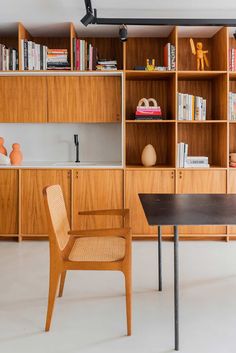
<point x="232" y="59"/>
<point x="185" y="161"/>
<point x="232" y="106"/>
<point x="170" y="56"/>
<point x="40" y="57"/>
<point x="8" y="58"/>
<point x="106" y="64"/>
<point x="191" y="107"/>
<point x="84" y="55"/>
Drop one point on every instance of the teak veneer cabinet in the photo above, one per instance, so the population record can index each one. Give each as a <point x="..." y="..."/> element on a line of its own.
<point x="28" y="99"/>
<point x="112" y="97"/>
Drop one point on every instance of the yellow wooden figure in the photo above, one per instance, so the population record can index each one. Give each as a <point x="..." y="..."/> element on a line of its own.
<point x="201" y="54"/>
<point x="150" y="65"/>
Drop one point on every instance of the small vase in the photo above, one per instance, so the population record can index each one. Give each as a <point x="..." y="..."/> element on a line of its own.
<point x="16" y="155"/>
<point x="2" y="148"/>
<point x="149" y="156"/>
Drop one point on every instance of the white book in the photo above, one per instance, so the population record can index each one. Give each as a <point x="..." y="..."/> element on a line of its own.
<point x="197" y="115"/>
<point x="181" y="154"/>
<point x="204" y="109"/>
<point x="185" y="154"/>
<point x="22" y="54"/>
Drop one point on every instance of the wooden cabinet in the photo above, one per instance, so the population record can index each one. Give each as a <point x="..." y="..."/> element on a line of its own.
<point x="96" y="189"/>
<point x="23" y="99"/>
<point x="202" y="182"/>
<point x="146" y="181"/>
<point x="84" y="99"/>
<point x="33" y="217"/>
<point x="232" y="190"/>
<point x="9" y="191"/>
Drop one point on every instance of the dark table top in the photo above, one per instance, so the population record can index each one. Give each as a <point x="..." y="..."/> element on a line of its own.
<point x="189" y="209"/>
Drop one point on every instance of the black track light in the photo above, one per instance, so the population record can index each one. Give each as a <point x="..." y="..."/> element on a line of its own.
<point x="88" y="19"/>
<point x="123" y="33"/>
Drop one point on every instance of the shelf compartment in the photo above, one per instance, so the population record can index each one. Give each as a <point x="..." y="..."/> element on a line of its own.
<point x="161" y="136"/>
<point x="9" y="38"/>
<point x="232" y="138"/>
<point x="215" y="42"/>
<point x="54" y="41"/>
<point x="163" y="90"/>
<point x="213" y="89"/>
<point x="139" y="49"/>
<point x="206" y="140"/>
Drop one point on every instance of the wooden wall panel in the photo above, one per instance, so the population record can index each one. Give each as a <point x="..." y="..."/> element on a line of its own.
<point x="202" y="182"/>
<point x="9" y="191"/>
<point x="144" y="181"/>
<point x="84" y="99"/>
<point x="33" y="218"/>
<point x="23" y="99"/>
<point x="94" y="190"/>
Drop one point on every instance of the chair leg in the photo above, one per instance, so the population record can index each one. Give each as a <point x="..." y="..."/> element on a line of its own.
<point x="62" y="282"/>
<point x="53" y="285"/>
<point x="128" y="293"/>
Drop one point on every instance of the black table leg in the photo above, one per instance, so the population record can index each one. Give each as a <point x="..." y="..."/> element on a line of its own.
<point x="159" y="260"/>
<point x="176" y="286"/>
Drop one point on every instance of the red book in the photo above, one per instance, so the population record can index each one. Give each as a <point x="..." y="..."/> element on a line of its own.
<point x="77" y="67"/>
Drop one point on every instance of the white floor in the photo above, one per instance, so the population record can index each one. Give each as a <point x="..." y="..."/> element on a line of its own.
<point x="90" y="318"/>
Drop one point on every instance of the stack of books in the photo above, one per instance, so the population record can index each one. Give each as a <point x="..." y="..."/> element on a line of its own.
<point x="148" y="113"/>
<point x="8" y="58"/>
<point x="34" y="56"/>
<point x="232" y="106"/>
<point x="106" y="64"/>
<point x="170" y="57"/>
<point x="185" y="161"/>
<point x="57" y="59"/>
<point x="84" y="55"/>
<point x="191" y="107"/>
<point x="232" y="59"/>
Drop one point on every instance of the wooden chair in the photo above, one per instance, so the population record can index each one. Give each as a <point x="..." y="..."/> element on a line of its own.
<point x="101" y="249"/>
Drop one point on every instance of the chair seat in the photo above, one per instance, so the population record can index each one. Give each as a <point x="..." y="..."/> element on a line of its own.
<point x="98" y="249"/>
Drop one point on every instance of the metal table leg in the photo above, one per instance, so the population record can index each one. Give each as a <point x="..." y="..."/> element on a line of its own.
<point x="176" y="286"/>
<point x="159" y="260"/>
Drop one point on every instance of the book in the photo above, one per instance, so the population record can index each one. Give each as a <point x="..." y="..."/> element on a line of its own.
<point x="185" y="161"/>
<point x="191" y="107"/>
<point x="232" y="106"/>
<point x="8" y="58"/>
<point x="169" y="57"/>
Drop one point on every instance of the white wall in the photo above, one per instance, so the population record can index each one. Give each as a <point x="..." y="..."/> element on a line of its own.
<point x="55" y="142"/>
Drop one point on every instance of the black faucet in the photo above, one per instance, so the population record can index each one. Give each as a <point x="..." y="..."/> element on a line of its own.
<point x="76" y="141"/>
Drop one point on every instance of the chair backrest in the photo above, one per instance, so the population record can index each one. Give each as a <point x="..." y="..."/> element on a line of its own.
<point x="57" y="216"/>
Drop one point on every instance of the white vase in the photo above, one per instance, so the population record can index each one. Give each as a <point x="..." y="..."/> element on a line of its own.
<point x="149" y="156"/>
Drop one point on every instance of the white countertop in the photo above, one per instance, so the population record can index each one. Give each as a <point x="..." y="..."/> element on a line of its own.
<point x="63" y="165"/>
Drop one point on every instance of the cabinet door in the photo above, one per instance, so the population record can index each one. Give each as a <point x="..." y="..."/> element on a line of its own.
<point x="33" y="216"/>
<point x="145" y="182"/>
<point x="94" y="190"/>
<point x="9" y="195"/>
<point x="202" y="182"/>
<point x="84" y="99"/>
<point x="232" y="190"/>
<point x="23" y="99"/>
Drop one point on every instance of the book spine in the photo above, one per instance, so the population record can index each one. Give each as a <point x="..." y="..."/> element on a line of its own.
<point x="78" y="54"/>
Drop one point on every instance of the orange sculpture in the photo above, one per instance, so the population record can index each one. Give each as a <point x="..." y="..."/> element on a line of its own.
<point x="16" y="155"/>
<point x="200" y="53"/>
<point x="2" y="148"/>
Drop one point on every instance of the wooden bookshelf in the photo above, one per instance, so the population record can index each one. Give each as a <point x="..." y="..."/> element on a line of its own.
<point x="214" y="137"/>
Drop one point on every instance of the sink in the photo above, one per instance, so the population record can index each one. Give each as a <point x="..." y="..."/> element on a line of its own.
<point x="74" y="164"/>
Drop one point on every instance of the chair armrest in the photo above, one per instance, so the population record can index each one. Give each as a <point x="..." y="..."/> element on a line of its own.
<point x="112" y="212"/>
<point x="112" y="232"/>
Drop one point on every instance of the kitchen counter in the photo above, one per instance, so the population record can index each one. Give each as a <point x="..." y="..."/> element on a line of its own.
<point x="63" y="165"/>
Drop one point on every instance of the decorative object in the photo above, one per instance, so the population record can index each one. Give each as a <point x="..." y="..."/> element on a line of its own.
<point x="149" y="156"/>
<point x="233" y="157"/>
<point x="151" y="64"/>
<point x="4" y="160"/>
<point x="2" y="148"/>
<point x="16" y="155"/>
<point x="147" y="109"/>
<point x="200" y="53"/>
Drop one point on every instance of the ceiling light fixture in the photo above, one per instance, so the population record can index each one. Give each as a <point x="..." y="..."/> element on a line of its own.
<point x="89" y="17"/>
<point x="123" y="33"/>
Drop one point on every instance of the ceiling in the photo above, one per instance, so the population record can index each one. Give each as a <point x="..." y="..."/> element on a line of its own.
<point x="41" y="17"/>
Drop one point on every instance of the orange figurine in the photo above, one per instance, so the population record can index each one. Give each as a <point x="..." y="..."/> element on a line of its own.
<point x="2" y="148"/>
<point x="200" y="53"/>
<point x="16" y="155"/>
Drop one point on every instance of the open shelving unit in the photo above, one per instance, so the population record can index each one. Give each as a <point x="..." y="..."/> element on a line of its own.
<point x="215" y="137"/>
